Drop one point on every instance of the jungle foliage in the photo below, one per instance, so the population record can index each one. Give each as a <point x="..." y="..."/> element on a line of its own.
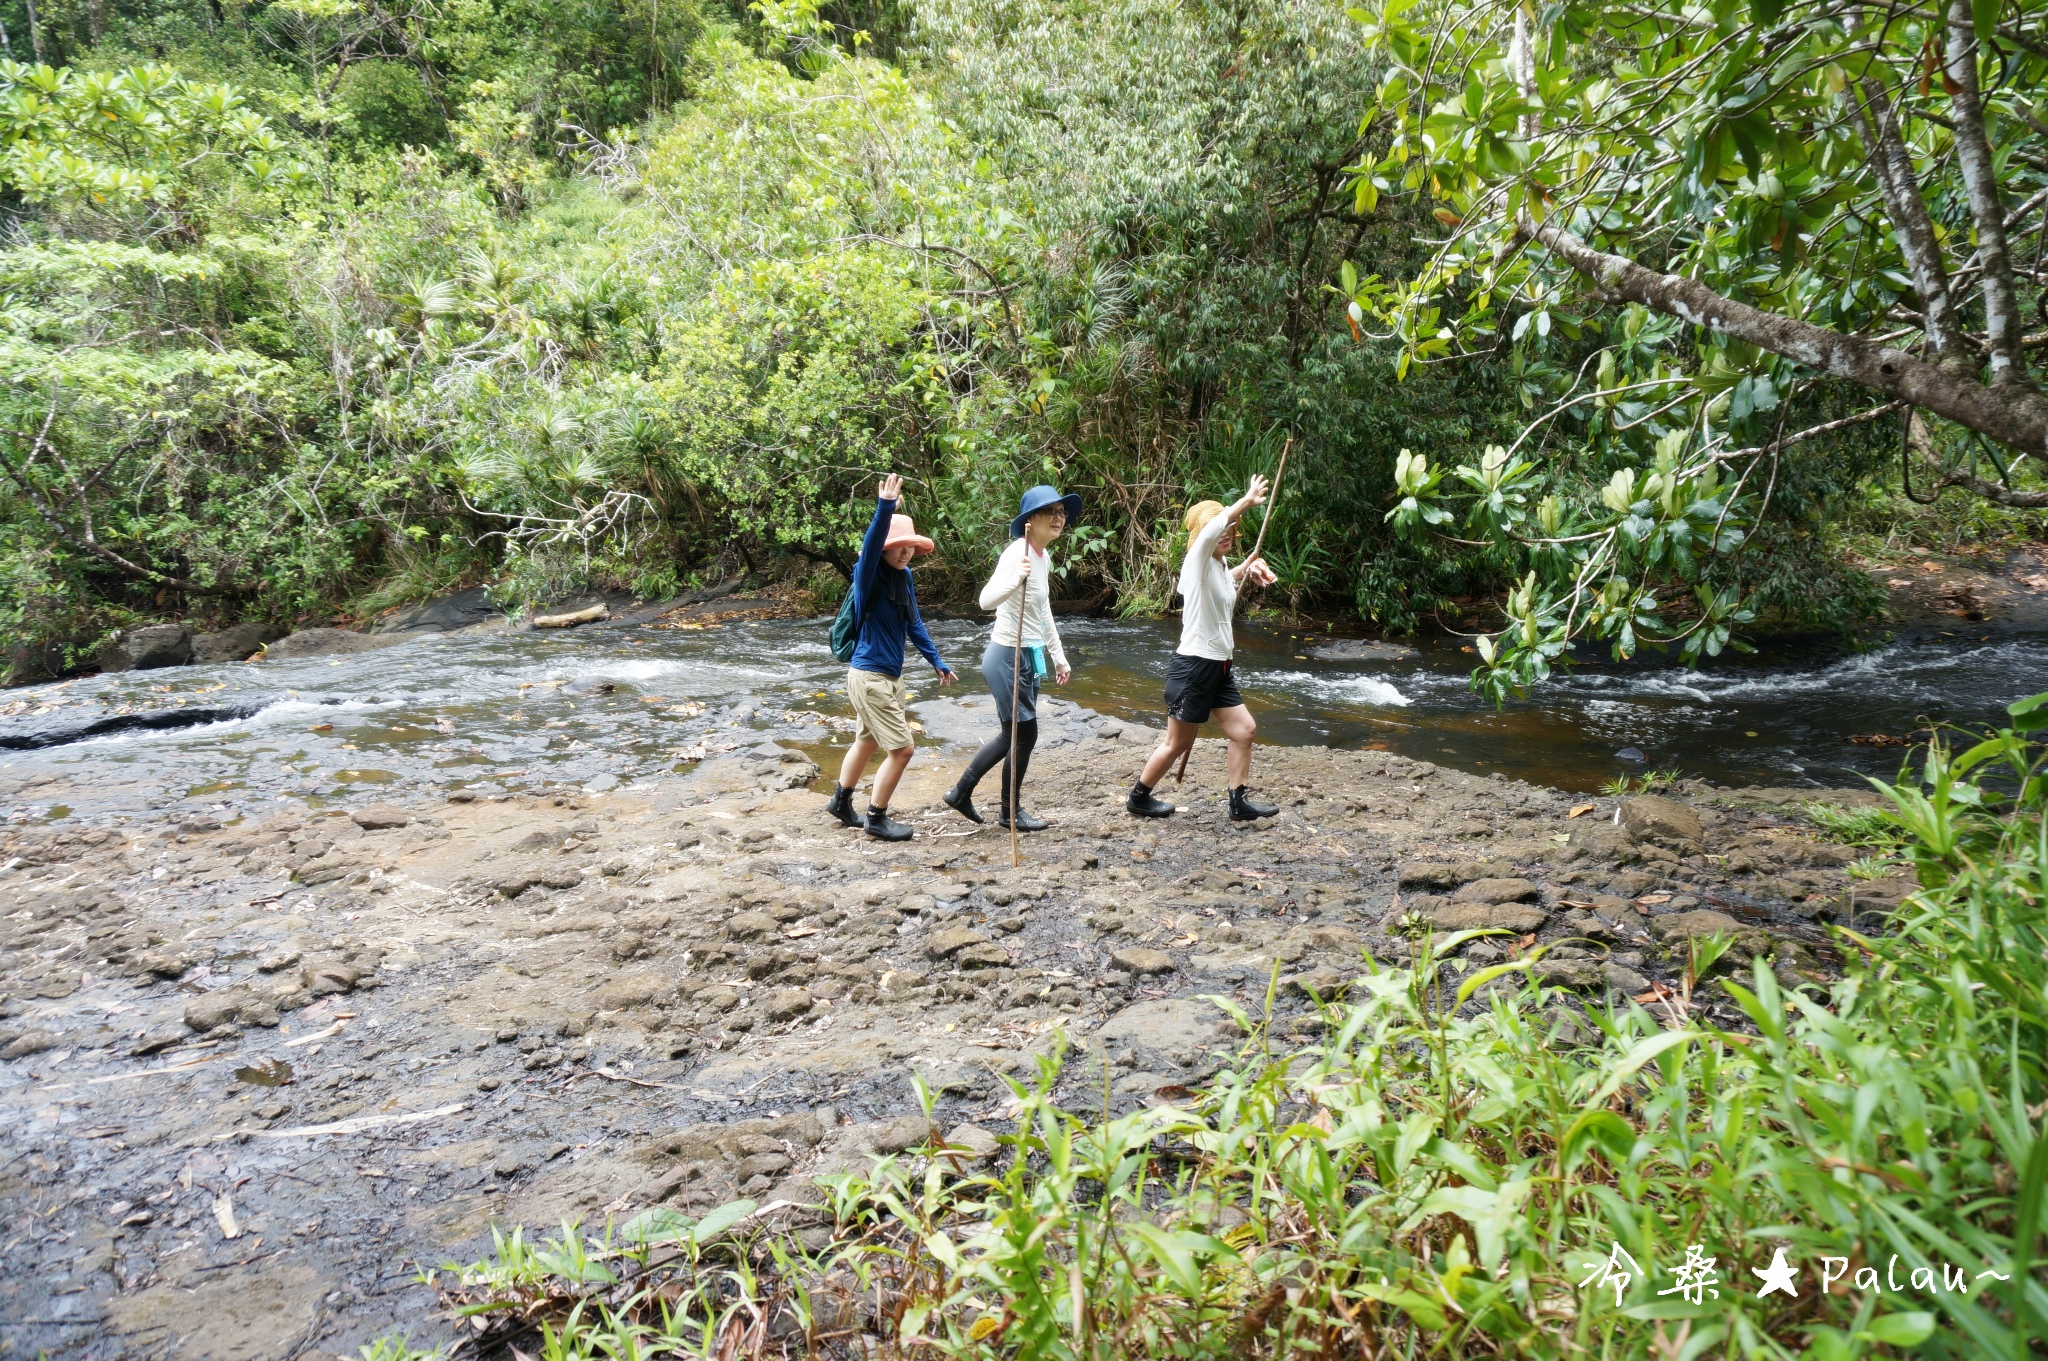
<point x="314" y="306"/>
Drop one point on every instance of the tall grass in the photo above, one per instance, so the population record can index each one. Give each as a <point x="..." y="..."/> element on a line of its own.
<point x="1459" y="1171"/>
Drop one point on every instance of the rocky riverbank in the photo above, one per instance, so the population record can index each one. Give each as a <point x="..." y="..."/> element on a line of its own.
<point x="256" y="1072"/>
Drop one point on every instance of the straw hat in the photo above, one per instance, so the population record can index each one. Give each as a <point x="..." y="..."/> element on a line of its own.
<point x="1199" y="514"/>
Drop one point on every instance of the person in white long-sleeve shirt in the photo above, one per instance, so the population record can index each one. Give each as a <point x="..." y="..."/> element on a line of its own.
<point x="1199" y="683"/>
<point x="1021" y="584"/>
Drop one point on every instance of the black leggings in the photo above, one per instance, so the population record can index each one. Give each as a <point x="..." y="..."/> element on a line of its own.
<point x="996" y="751"/>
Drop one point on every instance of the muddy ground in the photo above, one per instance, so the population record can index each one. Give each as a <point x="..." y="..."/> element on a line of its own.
<point x="255" y="1074"/>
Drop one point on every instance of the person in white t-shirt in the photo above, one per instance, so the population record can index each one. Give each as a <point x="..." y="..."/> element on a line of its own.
<point x="1023" y="576"/>
<point x="1199" y="684"/>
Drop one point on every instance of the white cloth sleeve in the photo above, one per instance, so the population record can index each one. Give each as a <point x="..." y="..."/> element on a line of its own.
<point x="1002" y="584"/>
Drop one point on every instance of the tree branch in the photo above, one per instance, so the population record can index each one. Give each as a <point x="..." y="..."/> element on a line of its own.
<point x="2014" y="415"/>
<point x="1892" y="164"/>
<point x="1980" y="178"/>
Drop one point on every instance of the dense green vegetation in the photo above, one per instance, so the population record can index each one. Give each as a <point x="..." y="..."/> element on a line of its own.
<point x="1452" y="1170"/>
<point x="311" y="307"/>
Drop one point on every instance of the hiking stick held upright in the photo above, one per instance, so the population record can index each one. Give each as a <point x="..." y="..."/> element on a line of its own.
<point x="1016" y="684"/>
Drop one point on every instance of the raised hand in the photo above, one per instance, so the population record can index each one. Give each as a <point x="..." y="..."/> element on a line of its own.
<point x="1255" y="494"/>
<point x="892" y="488"/>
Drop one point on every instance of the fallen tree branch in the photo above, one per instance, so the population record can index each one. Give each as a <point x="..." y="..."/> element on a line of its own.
<point x="2013" y="415"/>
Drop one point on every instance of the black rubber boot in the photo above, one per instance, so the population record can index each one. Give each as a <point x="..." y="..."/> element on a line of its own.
<point x="1025" y="822"/>
<point x="1142" y="804"/>
<point x="884" y="828"/>
<point x="961" y="801"/>
<point x="1242" y="809"/>
<point x="841" y="806"/>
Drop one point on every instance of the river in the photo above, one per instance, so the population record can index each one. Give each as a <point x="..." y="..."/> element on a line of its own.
<point x="605" y="705"/>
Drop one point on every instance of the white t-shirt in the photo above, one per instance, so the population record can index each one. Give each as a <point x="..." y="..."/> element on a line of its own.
<point x="1000" y="595"/>
<point x="1208" y="596"/>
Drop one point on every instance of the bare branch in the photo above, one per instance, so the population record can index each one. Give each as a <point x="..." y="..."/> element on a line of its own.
<point x="1980" y="178"/>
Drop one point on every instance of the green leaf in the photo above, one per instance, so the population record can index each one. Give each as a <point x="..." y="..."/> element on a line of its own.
<point x="2029" y="714"/>
<point x="721" y="1219"/>
<point x="658" y="1225"/>
<point x="1900" y="1330"/>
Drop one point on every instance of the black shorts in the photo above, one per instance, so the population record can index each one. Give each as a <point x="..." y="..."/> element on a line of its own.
<point x="1195" y="685"/>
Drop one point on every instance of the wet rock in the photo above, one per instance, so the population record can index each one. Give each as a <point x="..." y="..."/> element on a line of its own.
<point x="1624" y="979"/>
<point x="629" y="991"/>
<point x="1494" y="891"/>
<point x="31" y="1042"/>
<point x="379" y="817"/>
<point x="761" y="1165"/>
<point x="512" y="884"/>
<point x="1415" y="877"/>
<point x="1322" y="983"/>
<point x="987" y="955"/>
<point x="786" y="1004"/>
<point x="1362" y="650"/>
<point x="1516" y="917"/>
<point x="972" y="1143"/>
<point x="156" y="1041"/>
<point x="1139" y="959"/>
<point x="1664" y="822"/>
<point x="328" y="977"/>
<point x="147" y="648"/>
<point x="277" y="960"/>
<point x="463" y="609"/>
<point x="224" y="1006"/>
<point x="323" y="642"/>
<point x="1155" y="1030"/>
<point x="750" y="926"/>
<point x="232" y="644"/>
<point x="1683" y="926"/>
<point x="951" y="941"/>
<point x="1569" y="973"/>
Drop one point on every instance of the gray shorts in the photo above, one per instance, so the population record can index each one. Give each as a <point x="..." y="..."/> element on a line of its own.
<point x="996" y="662"/>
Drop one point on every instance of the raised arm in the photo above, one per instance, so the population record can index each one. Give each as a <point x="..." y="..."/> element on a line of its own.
<point x="867" y="569"/>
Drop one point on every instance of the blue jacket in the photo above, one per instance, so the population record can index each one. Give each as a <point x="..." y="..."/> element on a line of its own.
<point x="885" y="601"/>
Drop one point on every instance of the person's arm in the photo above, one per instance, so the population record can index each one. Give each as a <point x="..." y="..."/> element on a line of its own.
<point x="923" y="638"/>
<point x="867" y="569"/>
<point x="1002" y="584"/>
<point x="1060" y="670"/>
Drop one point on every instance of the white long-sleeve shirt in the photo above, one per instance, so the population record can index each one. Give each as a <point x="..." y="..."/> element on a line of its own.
<point x="1208" y="596"/>
<point x="1000" y="595"/>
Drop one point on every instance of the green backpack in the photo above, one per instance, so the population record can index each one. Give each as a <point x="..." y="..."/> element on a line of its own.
<point x="846" y="629"/>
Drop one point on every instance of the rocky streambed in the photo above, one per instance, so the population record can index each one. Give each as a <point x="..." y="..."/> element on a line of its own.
<point x="257" y="1071"/>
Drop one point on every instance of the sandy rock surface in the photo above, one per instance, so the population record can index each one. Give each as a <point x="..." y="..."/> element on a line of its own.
<point x="370" y="1035"/>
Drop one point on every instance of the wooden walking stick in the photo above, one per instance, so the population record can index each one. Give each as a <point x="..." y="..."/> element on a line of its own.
<point x="1016" y="684"/>
<point x="1272" y="493"/>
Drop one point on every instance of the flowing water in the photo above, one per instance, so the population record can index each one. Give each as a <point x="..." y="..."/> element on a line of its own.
<point x="603" y="706"/>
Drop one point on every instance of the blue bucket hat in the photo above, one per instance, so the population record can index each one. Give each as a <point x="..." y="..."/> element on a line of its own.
<point x="1037" y="499"/>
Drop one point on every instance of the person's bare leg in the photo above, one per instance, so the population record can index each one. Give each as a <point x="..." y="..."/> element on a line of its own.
<point x="1239" y="727"/>
<point x="856" y="763"/>
<point x="1179" y="737"/>
<point x="885" y="778"/>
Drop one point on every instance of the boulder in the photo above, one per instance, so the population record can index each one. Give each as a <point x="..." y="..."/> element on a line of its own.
<point x="323" y="642"/>
<point x="1497" y="891"/>
<point x="458" y="611"/>
<point x="1662" y="821"/>
<point x="232" y="644"/>
<point x="146" y="648"/>
<point x="1520" y="918"/>
<point x="1602" y="840"/>
<point x="1140" y="959"/>
<point x="326" y="977"/>
<point x="987" y="955"/>
<point x="971" y="1143"/>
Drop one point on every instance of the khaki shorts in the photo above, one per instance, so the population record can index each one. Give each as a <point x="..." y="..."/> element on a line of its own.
<point x="878" y="702"/>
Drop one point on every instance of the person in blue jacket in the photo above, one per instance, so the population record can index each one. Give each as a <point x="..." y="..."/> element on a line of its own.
<point x="885" y="603"/>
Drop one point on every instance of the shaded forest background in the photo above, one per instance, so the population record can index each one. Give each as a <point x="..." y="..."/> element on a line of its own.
<point x="314" y="307"/>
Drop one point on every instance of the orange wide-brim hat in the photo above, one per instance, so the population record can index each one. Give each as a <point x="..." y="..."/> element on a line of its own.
<point x="903" y="530"/>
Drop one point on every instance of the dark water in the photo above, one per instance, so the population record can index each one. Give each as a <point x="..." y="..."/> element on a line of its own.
<point x="601" y="706"/>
